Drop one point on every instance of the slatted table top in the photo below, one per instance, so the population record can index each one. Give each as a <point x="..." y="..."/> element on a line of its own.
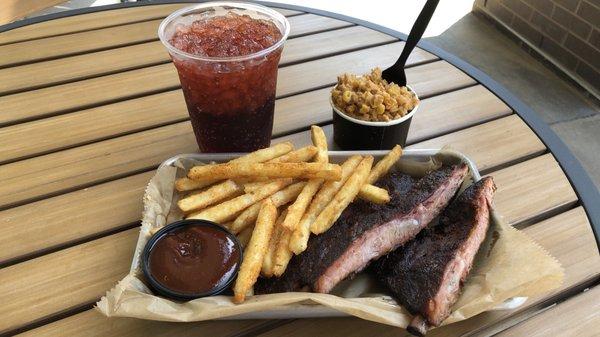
<point x="90" y="105"/>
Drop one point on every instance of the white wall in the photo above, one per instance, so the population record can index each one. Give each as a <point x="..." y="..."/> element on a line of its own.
<point x="395" y="14"/>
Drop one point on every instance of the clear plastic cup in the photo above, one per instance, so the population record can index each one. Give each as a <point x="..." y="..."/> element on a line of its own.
<point x="230" y="99"/>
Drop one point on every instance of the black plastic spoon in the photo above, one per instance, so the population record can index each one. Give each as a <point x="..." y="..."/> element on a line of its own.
<point x="396" y="72"/>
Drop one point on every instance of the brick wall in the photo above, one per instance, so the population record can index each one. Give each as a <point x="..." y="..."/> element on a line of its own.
<point x="568" y="31"/>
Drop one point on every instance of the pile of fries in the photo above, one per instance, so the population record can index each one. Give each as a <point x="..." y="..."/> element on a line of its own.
<point x="274" y="198"/>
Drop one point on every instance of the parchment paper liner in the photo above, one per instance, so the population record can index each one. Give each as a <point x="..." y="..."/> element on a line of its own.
<point x="509" y="266"/>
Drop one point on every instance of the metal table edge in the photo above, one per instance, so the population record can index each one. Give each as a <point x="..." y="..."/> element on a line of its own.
<point x="585" y="189"/>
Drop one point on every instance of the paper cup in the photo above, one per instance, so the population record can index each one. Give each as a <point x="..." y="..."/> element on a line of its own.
<point x="354" y="134"/>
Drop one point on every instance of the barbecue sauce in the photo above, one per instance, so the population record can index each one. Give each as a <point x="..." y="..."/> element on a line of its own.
<point x="194" y="259"/>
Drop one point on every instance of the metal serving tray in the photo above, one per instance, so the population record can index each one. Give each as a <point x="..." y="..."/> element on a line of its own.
<point x="312" y="310"/>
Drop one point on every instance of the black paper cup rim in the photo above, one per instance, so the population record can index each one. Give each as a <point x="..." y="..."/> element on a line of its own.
<point x="350" y="133"/>
<point x="167" y="292"/>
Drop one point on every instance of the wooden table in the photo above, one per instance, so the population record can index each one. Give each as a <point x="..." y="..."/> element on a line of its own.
<point x="90" y="105"/>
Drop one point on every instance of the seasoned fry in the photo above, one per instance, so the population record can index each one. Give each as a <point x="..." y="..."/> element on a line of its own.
<point x="301" y="234"/>
<point x="248" y="216"/>
<point x="209" y="197"/>
<point x="258" y="156"/>
<point x="296" y="209"/>
<point x="266" y="154"/>
<point x="269" y="259"/>
<point x="374" y="194"/>
<point x="255" y="186"/>
<point x="244" y="236"/>
<point x="227" y="210"/>
<point x="283" y="254"/>
<point x="343" y="198"/>
<point x="274" y="170"/>
<point x="303" y="154"/>
<point x="255" y="251"/>
<point x="187" y="184"/>
<point x="320" y="141"/>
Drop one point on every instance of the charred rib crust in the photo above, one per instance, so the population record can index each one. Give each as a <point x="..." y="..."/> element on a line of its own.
<point x="323" y="250"/>
<point x="415" y="272"/>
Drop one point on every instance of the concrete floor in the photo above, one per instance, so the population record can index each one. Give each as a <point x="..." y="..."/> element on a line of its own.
<point x="572" y="115"/>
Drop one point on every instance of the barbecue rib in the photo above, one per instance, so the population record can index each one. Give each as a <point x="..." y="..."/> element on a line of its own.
<point x="427" y="273"/>
<point x="366" y="231"/>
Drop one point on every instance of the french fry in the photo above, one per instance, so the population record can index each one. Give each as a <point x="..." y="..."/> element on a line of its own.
<point x="297" y="208"/>
<point x="383" y="166"/>
<point x="249" y="215"/>
<point x="255" y="186"/>
<point x="269" y="259"/>
<point x="343" y="198"/>
<point x="301" y="234"/>
<point x="283" y="254"/>
<point x="266" y="154"/>
<point x="228" y="210"/>
<point x="209" y="197"/>
<point x="258" y="156"/>
<point x="274" y="170"/>
<point x="374" y="194"/>
<point x="320" y="141"/>
<point x="255" y="251"/>
<point x="379" y="170"/>
<point x="303" y="154"/>
<point x="187" y="184"/>
<point x="244" y="236"/>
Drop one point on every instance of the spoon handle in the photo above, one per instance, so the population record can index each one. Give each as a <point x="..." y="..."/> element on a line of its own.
<point x="416" y="32"/>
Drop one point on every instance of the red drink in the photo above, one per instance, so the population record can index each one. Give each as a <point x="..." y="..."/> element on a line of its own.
<point x="227" y="63"/>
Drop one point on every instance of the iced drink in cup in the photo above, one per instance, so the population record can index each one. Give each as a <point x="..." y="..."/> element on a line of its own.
<point x="226" y="54"/>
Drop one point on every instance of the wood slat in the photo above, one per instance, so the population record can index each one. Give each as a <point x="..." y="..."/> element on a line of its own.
<point x="52" y="222"/>
<point x="453" y="111"/>
<point x="78" y="23"/>
<point x="292" y="79"/>
<point x="426" y="80"/>
<point x="549" y="182"/>
<point x="63" y="280"/>
<point x="56" y="172"/>
<point x="96" y="20"/>
<point x="290" y="113"/>
<point x="578" y="316"/>
<point x="71" y="44"/>
<point x="43" y="74"/>
<point x="460" y="109"/>
<point x="470" y="142"/>
<point x="546" y="193"/>
<point x="92" y="324"/>
<point x="306" y="24"/>
<point x="492" y="135"/>
<point x="101" y="19"/>
<point x="437" y="115"/>
<point x="113" y="37"/>
<point x="567" y="237"/>
<point x="573" y="238"/>
<point x="71" y="169"/>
